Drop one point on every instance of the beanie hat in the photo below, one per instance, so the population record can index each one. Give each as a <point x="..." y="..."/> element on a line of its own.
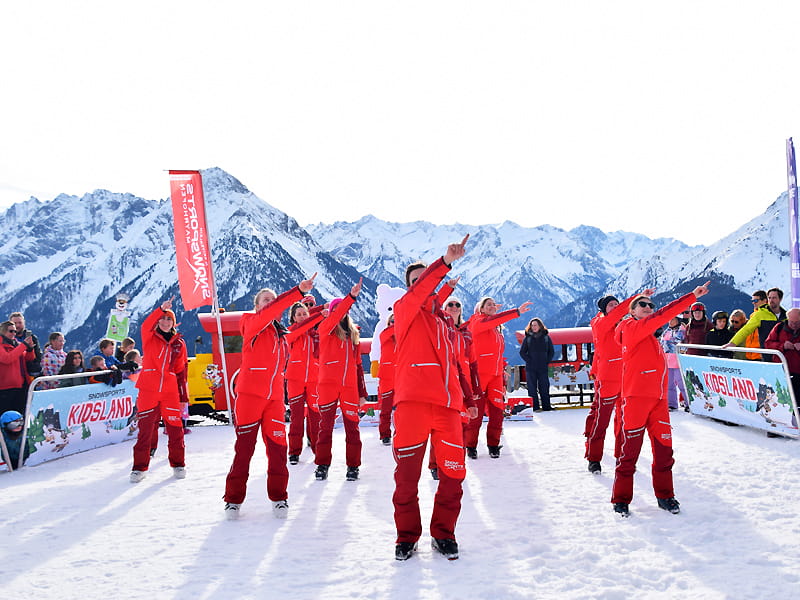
<point x="309" y="298"/>
<point x="333" y="304"/>
<point x="171" y="315"/>
<point x="603" y="302"/>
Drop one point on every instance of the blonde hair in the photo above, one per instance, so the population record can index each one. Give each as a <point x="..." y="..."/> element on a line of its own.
<point x="342" y="332"/>
<point x="258" y="295"/>
<point x="460" y="320"/>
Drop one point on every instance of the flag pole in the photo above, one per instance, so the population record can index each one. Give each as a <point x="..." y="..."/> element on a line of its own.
<point x="794" y="251"/>
<point x="193" y="253"/>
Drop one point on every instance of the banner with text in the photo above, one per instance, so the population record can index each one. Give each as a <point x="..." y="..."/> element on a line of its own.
<point x="753" y="393"/>
<point x="68" y="420"/>
<point x="192" y="247"/>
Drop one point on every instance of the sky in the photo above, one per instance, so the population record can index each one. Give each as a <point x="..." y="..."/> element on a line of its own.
<point x="534" y="524"/>
<point x="663" y="119"/>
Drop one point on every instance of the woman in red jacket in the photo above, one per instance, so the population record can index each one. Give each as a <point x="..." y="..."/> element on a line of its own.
<point x="488" y="346"/>
<point x="162" y="388"/>
<point x="259" y="399"/>
<point x="301" y="376"/>
<point x="14" y="357"/>
<point x="340" y="383"/>
<point x="644" y="399"/>
<point x="386" y="382"/>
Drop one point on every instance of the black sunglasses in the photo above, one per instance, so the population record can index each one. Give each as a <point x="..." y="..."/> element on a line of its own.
<point x="452" y="304"/>
<point x="644" y="304"/>
<point x="755" y="300"/>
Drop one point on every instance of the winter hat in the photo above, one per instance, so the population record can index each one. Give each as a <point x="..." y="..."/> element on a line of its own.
<point x="333" y="304"/>
<point x="8" y="417"/>
<point x="698" y="306"/>
<point x="309" y="298"/>
<point x="603" y="302"/>
<point x="171" y="315"/>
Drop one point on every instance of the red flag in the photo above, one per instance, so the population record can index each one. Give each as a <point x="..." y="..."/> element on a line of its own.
<point x="192" y="249"/>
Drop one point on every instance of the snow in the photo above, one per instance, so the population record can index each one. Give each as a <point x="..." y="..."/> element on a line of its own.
<point x="534" y="524"/>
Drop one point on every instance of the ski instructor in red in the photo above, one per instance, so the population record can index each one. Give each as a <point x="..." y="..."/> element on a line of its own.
<point x="428" y="404"/>
<point x="644" y="407"/>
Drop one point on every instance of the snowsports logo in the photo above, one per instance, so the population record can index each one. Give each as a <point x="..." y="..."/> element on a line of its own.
<point x="100" y="410"/>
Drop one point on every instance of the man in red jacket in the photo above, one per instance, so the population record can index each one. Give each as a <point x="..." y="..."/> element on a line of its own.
<point x="785" y="336"/>
<point x="428" y="404"/>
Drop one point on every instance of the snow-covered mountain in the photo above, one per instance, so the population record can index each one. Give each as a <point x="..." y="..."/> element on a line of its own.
<point x="68" y="258"/>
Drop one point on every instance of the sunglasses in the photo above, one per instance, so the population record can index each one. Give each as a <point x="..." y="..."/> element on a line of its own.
<point x="644" y="304"/>
<point x="755" y="300"/>
<point x="454" y="304"/>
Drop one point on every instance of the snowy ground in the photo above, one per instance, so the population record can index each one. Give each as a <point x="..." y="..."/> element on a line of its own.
<point x="534" y="524"/>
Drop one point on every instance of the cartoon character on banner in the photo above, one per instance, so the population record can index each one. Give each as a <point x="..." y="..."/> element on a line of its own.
<point x="385" y="299"/>
<point x="213" y="376"/>
<point x="119" y="319"/>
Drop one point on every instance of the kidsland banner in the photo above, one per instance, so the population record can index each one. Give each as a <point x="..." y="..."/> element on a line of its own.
<point x="68" y="420"/>
<point x="753" y="393"/>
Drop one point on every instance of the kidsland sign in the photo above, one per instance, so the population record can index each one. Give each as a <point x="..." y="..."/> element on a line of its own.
<point x="753" y="393"/>
<point x="65" y="421"/>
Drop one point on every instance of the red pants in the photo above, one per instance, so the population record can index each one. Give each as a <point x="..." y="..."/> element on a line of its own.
<point x="492" y="399"/>
<point x="414" y="423"/>
<point x="386" y="399"/>
<point x="155" y="406"/>
<point x="253" y="412"/>
<point x="640" y="414"/>
<point x="303" y="406"/>
<point x="332" y="395"/>
<point x="606" y="397"/>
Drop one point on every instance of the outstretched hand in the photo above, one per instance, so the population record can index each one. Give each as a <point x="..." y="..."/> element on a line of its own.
<point x="701" y="290"/>
<point x="455" y="251"/>
<point x="525" y="307"/>
<point x="306" y="285"/>
<point x="356" y="289"/>
<point x="167" y="304"/>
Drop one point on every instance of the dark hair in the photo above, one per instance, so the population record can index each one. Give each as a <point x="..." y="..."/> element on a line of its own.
<point x="105" y="343"/>
<point x="776" y="290"/>
<point x="68" y="366"/>
<point x="293" y="309"/>
<point x="413" y="267"/>
<point x="762" y="295"/>
<point x="541" y="326"/>
<point x="55" y="335"/>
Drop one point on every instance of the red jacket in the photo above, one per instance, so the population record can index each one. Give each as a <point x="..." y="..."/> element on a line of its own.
<point x="487" y="341"/>
<point x="779" y="335"/>
<point x="264" y="349"/>
<point x="163" y="362"/>
<point x="467" y="367"/>
<point x="644" y="368"/>
<point x="303" y="343"/>
<point x="607" y="362"/>
<point x="13" y="372"/>
<point x="388" y="352"/>
<point x="339" y="360"/>
<point x="425" y="363"/>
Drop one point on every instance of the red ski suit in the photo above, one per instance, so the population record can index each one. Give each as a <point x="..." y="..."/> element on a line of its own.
<point x="301" y="380"/>
<point x="340" y="383"/>
<point x="644" y="401"/>
<point x="259" y="400"/>
<point x="428" y="404"/>
<point x="386" y="381"/>
<point x="607" y="372"/>
<point x="487" y="348"/>
<point x="162" y="388"/>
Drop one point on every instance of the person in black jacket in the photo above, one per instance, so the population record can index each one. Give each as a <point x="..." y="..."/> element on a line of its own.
<point x="720" y="335"/>
<point x="537" y="351"/>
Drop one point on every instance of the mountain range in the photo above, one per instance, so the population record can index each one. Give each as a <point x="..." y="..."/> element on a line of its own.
<point x="66" y="259"/>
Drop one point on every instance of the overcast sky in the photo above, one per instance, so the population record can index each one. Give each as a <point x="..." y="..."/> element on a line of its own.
<point x="668" y="119"/>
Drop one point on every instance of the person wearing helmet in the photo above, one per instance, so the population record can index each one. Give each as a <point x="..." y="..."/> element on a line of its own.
<point x="720" y="335"/>
<point x="11" y="423"/>
<point x="697" y="327"/>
